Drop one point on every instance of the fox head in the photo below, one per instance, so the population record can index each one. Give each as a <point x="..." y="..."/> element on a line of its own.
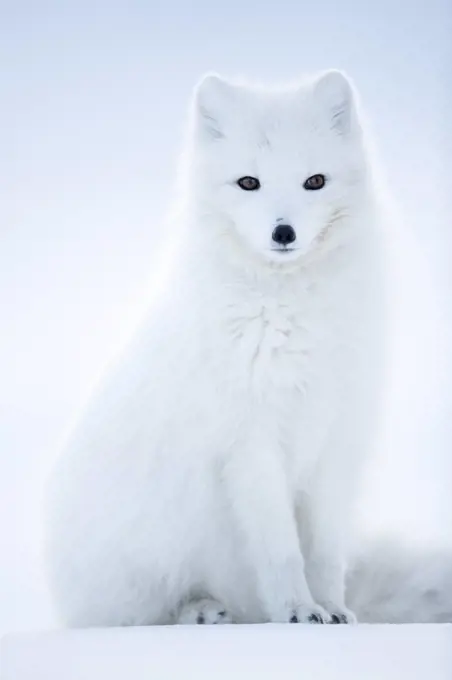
<point x="277" y="170"/>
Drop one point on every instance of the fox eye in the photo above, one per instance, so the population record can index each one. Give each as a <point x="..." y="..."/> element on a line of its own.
<point x="315" y="182"/>
<point x="249" y="183"/>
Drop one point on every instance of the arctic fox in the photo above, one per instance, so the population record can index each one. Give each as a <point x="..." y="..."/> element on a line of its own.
<point x="213" y="475"/>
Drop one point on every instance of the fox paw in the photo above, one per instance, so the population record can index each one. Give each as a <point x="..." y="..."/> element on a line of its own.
<point x="203" y="611"/>
<point x="340" y="614"/>
<point x="309" y="614"/>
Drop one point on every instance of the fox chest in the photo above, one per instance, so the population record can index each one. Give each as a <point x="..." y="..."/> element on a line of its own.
<point x="277" y="374"/>
<point x="272" y="348"/>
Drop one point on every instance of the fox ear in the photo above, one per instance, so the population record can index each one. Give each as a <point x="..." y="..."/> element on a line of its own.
<point x="213" y="98"/>
<point x="334" y="93"/>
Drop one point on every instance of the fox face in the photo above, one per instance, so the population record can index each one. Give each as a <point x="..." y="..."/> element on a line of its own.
<point x="278" y="171"/>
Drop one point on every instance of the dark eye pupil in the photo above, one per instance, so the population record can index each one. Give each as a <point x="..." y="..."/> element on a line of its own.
<point x="248" y="183"/>
<point x="315" y="182"/>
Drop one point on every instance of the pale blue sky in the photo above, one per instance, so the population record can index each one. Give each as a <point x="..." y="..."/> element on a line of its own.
<point x="93" y="104"/>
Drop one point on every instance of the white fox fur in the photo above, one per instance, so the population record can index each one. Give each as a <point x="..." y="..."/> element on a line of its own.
<point x="212" y="477"/>
<point x="393" y="583"/>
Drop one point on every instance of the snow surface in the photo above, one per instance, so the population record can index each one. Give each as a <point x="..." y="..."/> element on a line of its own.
<point x="286" y="652"/>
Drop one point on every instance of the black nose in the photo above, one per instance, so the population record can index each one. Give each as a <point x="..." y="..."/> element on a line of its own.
<point x="284" y="234"/>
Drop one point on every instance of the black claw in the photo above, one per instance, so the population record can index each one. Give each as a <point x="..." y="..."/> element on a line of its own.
<point x="200" y="618"/>
<point x="294" y="619"/>
<point x="339" y="618"/>
<point x="315" y="618"/>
